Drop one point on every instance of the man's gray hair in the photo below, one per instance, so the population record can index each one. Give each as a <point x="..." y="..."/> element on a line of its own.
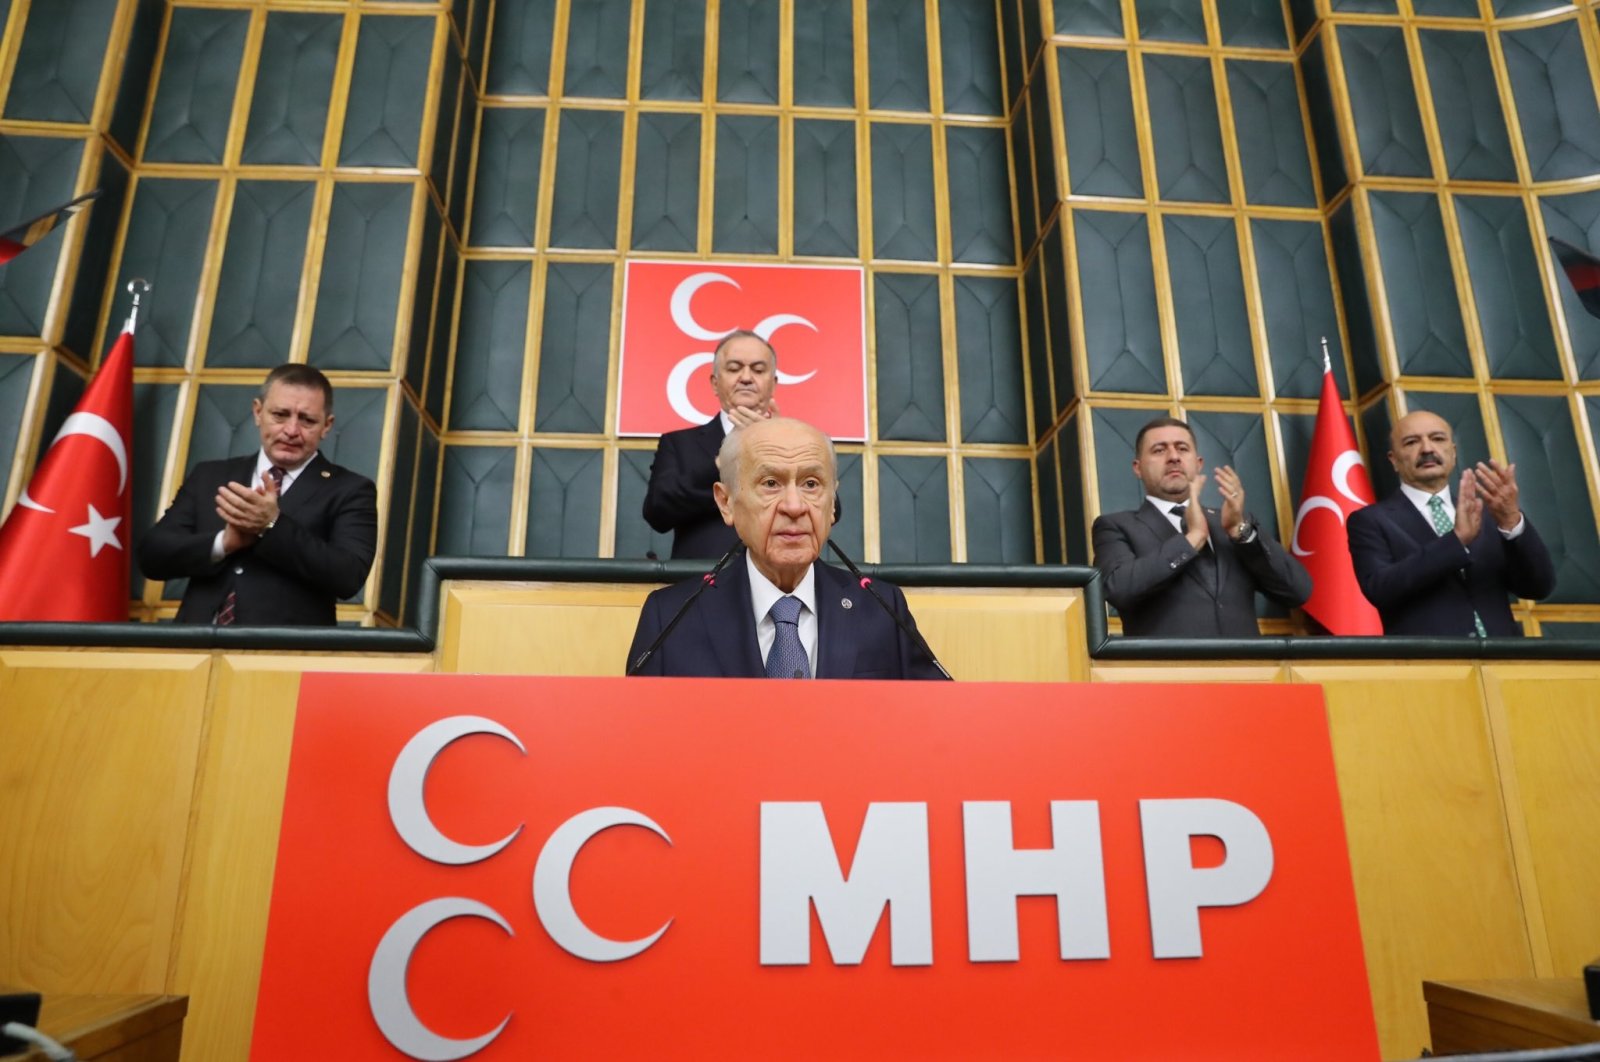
<point x="742" y="333"/>
<point x="733" y="446"/>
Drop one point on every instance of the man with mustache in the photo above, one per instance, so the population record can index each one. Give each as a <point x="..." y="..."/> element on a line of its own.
<point x="744" y="370"/>
<point x="1175" y="569"/>
<point x="1433" y="566"/>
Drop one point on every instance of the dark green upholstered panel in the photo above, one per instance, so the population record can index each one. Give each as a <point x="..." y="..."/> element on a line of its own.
<point x="356" y="441"/>
<point x="1172" y="20"/>
<point x="1096" y="103"/>
<point x="969" y="49"/>
<point x="1022" y="153"/>
<point x="1011" y="49"/>
<point x="1049" y="475"/>
<point x="490" y="343"/>
<point x="1094" y="18"/>
<point x="1353" y="292"/>
<point x="388" y="87"/>
<point x="478" y="41"/>
<point x="1119" y="303"/>
<point x="1471" y="123"/>
<point x="1183" y="124"/>
<point x="1563" y="631"/>
<point x="910" y="368"/>
<point x="154" y="408"/>
<point x="423" y="509"/>
<point x="1506" y="284"/>
<point x="1375" y="424"/>
<point x="902" y="192"/>
<point x="1044" y="406"/>
<point x="824" y="51"/>
<point x="253" y="322"/>
<point x="475" y="488"/>
<point x="999" y="510"/>
<point x="1272" y="136"/>
<point x="847" y="532"/>
<point x="1331" y="163"/>
<point x="1240" y="440"/>
<point x="897" y="55"/>
<point x="1576" y="219"/>
<point x="1214" y="346"/>
<point x="825" y="188"/>
<point x="1046" y="178"/>
<point x="1073" y="496"/>
<point x="450" y="116"/>
<point x="1542" y="442"/>
<point x="165" y="244"/>
<point x="574" y="348"/>
<point x="57" y="72"/>
<point x="1253" y="24"/>
<point x="989" y="360"/>
<point x="1114" y="433"/>
<point x="564" y="503"/>
<point x="66" y="387"/>
<point x="460" y="165"/>
<point x="397" y="518"/>
<point x="223" y="424"/>
<point x="1365" y="7"/>
<point x="914" y="509"/>
<point x="1304" y="15"/>
<point x="1465" y="416"/>
<point x="133" y="91"/>
<point x="1296" y="431"/>
<point x="673" y="63"/>
<point x="744" y="214"/>
<point x="358" y="295"/>
<point x="588" y="177"/>
<point x="505" y="193"/>
<point x="1448" y="8"/>
<point x="1032" y="31"/>
<point x="36" y="173"/>
<point x="666" y="206"/>
<point x="289" y="111"/>
<point x="635" y="538"/>
<point x="519" y="55"/>
<point x="443" y="331"/>
<point x="1297" y="306"/>
<point x="980" y="196"/>
<point x="1383" y="101"/>
<point x="1560" y="128"/>
<point x="1428" y="335"/>
<point x="94" y="263"/>
<point x="1060" y="324"/>
<point x="16" y="377"/>
<point x="597" y="52"/>
<point x="422" y="303"/>
<point x="747" y="51"/>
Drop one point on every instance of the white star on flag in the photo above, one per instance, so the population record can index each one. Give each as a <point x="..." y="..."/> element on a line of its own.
<point x="100" y="531"/>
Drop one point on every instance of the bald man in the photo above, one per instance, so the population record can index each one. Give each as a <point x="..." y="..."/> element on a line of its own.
<point x="1434" y="564"/>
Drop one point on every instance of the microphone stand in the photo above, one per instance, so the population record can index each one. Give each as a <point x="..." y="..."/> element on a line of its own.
<point x="910" y="631"/>
<point x="707" y="581"/>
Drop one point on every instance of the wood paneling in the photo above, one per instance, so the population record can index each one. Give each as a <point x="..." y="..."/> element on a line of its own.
<point x="1021" y="635"/>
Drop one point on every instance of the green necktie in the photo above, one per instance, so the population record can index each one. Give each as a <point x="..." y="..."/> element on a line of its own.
<point x="1443" y="525"/>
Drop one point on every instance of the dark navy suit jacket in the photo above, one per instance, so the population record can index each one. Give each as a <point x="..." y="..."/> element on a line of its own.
<point x="320" y="549"/>
<point x="1426" y="583"/>
<point x="856" y="639"/>
<point x="679" y="497"/>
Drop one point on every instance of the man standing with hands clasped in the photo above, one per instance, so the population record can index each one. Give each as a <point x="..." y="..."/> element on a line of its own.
<point x="1433" y="566"/>
<point x="1173" y="568"/>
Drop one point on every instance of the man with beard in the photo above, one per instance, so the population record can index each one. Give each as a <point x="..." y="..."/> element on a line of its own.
<point x="1434" y="566"/>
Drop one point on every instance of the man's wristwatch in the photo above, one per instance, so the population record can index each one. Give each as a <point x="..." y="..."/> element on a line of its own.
<point x="1245" y="531"/>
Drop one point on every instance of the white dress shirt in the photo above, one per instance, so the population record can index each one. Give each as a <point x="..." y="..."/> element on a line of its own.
<point x="1420" y="498"/>
<point x="762" y="596"/>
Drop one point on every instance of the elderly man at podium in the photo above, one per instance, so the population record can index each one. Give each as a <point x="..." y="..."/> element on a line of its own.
<point x="779" y="611"/>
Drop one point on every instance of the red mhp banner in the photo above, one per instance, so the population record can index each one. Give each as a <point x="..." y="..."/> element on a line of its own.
<point x="508" y="868"/>
<point x="673" y="314"/>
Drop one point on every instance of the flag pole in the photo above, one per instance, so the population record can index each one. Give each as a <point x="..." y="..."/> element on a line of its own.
<point x="138" y="287"/>
<point x="1327" y="363"/>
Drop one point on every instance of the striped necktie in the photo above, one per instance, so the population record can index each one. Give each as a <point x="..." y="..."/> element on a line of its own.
<point x="1443" y="524"/>
<point x="787" y="658"/>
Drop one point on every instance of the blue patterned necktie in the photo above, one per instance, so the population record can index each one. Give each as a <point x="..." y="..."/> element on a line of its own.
<point x="787" y="658"/>
<point x="1443" y="525"/>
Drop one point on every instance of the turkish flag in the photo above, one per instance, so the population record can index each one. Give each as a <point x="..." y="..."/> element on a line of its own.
<point x="64" y="548"/>
<point x="1336" y="485"/>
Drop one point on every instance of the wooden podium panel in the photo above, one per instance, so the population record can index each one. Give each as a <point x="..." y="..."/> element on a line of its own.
<point x="1509" y="1015"/>
<point x="146" y="1028"/>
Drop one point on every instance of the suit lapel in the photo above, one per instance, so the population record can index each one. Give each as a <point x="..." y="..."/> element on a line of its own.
<point x="1203" y="569"/>
<point x="710" y="437"/>
<point x="1219" y="542"/>
<point x="1409" y="519"/>
<point x="310" y="481"/>
<point x="838" y="598"/>
<point x="729" y="623"/>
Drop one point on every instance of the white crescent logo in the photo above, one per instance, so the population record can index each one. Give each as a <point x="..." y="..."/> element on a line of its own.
<point x="683" y="318"/>
<point x="770" y="325"/>
<point x="678" y="386"/>
<point x="1342" y="467"/>
<point x="95" y="427"/>
<point x="407" y="809"/>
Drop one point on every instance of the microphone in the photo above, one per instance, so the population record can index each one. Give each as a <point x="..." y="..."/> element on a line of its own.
<point x="707" y="581"/>
<point x="910" y="631"/>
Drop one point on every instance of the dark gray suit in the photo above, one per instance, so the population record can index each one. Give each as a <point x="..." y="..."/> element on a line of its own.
<point x="1162" y="587"/>
<point x="679" y="497"/>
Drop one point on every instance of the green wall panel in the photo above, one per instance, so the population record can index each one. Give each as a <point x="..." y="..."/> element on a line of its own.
<point x="999" y="510"/>
<point x="672" y="66"/>
<point x="358" y="295"/>
<point x="289" y="108"/>
<point x="260" y="274"/>
<point x="910" y="365"/>
<point x="487" y="392"/>
<point x="1542" y="442"/>
<point x="165" y="244"/>
<point x="913" y="510"/>
<point x="505" y="194"/>
<point x="747" y="68"/>
<point x="988" y="339"/>
<point x="199" y="75"/>
<point x="57" y="72"/>
<point x="666" y="207"/>
<point x="564" y="503"/>
<point x="383" y="115"/>
<point x="897" y="55"/>
<point x="475" y="490"/>
<point x="574" y="348"/>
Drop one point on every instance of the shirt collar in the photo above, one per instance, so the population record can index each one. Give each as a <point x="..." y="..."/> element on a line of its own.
<point x="263" y="462"/>
<point x="1420" y="497"/>
<point x="763" y="593"/>
<point x="727" y="422"/>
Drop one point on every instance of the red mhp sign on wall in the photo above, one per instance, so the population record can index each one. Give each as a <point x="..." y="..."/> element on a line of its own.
<point x="673" y="314"/>
<point x="510" y="868"/>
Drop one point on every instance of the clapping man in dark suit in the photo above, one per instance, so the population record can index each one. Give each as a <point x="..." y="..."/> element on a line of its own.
<point x="1431" y="566"/>
<point x="1176" y="569"/>
<point x="744" y="371"/>
<point x="779" y="611"/>
<point x="275" y="537"/>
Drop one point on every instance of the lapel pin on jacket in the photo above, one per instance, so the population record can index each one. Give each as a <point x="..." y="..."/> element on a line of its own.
<point x="846" y="603"/>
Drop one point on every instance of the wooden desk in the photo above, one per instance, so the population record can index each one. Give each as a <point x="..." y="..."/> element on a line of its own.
<point x="114" y="1028"/>
<point x="1514" y="1014"/>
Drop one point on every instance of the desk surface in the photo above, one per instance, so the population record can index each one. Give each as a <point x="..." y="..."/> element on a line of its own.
<point x="1522" y="1012"/>
<point x="114" y="1028"/>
